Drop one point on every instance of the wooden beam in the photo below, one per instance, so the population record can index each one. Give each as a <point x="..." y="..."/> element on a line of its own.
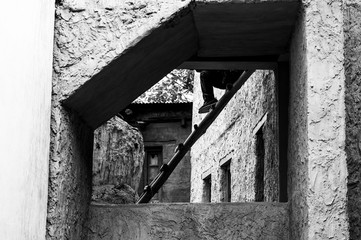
<point x="228" y="65"/>
<point x="241" y="63"/>
<point x="244" y="28"/>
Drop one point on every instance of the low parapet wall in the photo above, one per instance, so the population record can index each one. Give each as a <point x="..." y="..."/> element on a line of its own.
<point x="189" y="221"/>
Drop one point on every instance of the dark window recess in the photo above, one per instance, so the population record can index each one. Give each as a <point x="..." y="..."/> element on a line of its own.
<point x="207" y="190"/>
<point x="152" y="162"/>
<point x="260" y="153"/>
<point x="226" y="182"/>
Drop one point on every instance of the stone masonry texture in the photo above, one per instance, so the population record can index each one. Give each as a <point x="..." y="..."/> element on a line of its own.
<point x="118" y="155"/>
<point x="88" y="35"/>
<point x="352" y="28"/>
<point x="231" y="137"/>
<point x="189" y="221"/>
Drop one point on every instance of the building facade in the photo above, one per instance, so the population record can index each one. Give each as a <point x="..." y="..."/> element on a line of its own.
<point x="164" y="126"/>
<point x="239" y="152"/>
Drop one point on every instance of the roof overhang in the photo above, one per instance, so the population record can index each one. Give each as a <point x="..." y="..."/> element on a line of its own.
<point x="233" y="34"/>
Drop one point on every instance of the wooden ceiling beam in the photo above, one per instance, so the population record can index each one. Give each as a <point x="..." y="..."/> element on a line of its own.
<point x="241" y="63"/>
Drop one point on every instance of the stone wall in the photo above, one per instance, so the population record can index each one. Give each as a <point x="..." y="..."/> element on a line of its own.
<point x="26" y="44"/>
<point x="118" y="156"/>
<point x="189" y="221"/>
<point x="232" y="137"/>
<point x="317" y="124"/>
<point x="89" y="34"/>
<point x="352" y="28"/>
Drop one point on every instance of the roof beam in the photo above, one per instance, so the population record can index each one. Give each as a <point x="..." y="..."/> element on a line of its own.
<point x="241" y="63"/>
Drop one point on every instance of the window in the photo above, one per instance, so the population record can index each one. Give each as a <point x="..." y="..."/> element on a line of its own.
<point x="207" y="189"/>
<point x="152" y="162"/>
<point x="259" y="168"/>
<point x="226" y="182"/>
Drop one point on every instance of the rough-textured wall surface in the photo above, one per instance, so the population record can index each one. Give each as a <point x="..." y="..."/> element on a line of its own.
<point x="26" y="45"/>
<point x="118" y="154"/>
<point x="297" y="141"/>
<point x="231" y="137"/>
<point x="317" y="124"/>
<point x="326" y="193"/>
<point x="352" y="28"/>
<point x="91" y="33"/>
<point x="189" y="221"/>
<point x="70" y="171"/>
<point x="88" y="35"/>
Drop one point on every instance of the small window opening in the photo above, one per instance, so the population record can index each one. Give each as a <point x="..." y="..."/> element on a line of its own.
<point x="207" y="189"/>
<point x="226" y="182"/>
<point x="259" y="176"/>
<point x="152" y="162"/>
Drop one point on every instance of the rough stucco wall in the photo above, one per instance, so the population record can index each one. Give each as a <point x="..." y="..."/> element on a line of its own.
<point x="317" y="129"/>
<point x="352" y="28"/>
<point x="91" y="33"/>
<point x="70" y="171"/>
<point x="326" y="121"/>
<point x="88" y="35"/>
<point x="189" y="221"/>
<point x="230" y="137"/>
<point x="26" y="45"/>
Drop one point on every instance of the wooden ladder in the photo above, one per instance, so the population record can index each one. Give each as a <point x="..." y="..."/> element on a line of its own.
<point x="167" y="169"/>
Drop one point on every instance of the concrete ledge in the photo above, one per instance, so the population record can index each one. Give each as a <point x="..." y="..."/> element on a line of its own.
<point x="189" y="221"/>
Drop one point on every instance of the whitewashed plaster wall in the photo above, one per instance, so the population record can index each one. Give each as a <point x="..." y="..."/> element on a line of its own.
<point x="26" y="46"/>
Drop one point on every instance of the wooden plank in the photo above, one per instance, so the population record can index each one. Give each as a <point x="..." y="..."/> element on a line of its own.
<point x="136" y="70"/>
<point x="240" y="63"/>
